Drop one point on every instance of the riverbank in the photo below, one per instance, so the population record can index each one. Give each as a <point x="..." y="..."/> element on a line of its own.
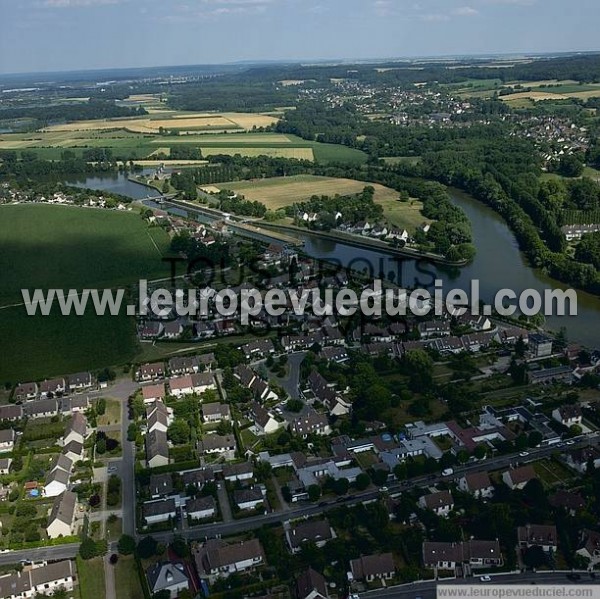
<point x="371" y="244"/>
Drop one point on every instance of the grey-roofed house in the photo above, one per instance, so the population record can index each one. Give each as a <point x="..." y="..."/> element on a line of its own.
<point x="7" y="440"/>
<point x="372" y="567"/>
<point x="311" y="585"/>
<point x="441" y="503"/>
<point x="41" y="408"/>
<point x="542" y="535"/>
<point x="160" y="485"/>
<point x="167" y="576"/>
<point x="216" y="559"/>
<point x="49" y="578"/>
<point x="157" y="449"/>
<point x="318" y="532"/>
<point x="223" y="445"/>
<point x="62" y="516"/>
<point x="159" y="511"/>
<point x="201" y="508"/>
<point x="215" y="412"/>
<point x="248" y="499"/>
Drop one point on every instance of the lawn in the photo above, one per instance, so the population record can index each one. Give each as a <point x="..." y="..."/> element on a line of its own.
<point x="91" y="578"/>
<point x="69" y="248"/>
<point x="127" y="579"/>
<point x="112" y="415"/>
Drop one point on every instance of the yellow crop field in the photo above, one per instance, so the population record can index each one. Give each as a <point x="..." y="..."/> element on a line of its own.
<point x="533" y="95"/>
<point x="283" y="191"/>
<point x="229" y="139"/>
<point x="247" y="120"/>
<point x="297" y="153"/>
<point x="171" y="162"/>
<point x="584" y="95"/>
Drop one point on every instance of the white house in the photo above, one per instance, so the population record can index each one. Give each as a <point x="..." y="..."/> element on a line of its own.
<point x="477" y="484"/>
<point x="76" y="429"/>
<point x="215" y="412"/>
<point x="62" y="516"/>
<point x="224" y="445"/>
<point x="47" y="578"/>
<point x="568" y="415"/>
<point x="441" y="503"/>
<point x="248" y="499"/>
<point x="201" y="508"/>
<point x="264" y="421"/>
<point x="159" y="511"/>
<point x="7" y="440"/>
<point x="57" y="479"/>
<point x="157" y="449"/>
<point x="216" y="559"/>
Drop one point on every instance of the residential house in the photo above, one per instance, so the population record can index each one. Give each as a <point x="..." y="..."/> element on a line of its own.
<point x="158" y="511"/>
<point x="540" y="345"/>
<point x="73" y="450"/>
<point x="62" y="516"/>
<point x="474" y="553"/>
<point x="441" y="503"/>
<point x="52" y="387"/>
<point x="80" y="381"/>
<point x="157" y="449"/>
<point x="372" y="567"/>
<point x="568" y="415"/>
<point x="76" y="429"/>
<point x="10" y="413"/>
<point x="74" y="403"/>
<point x="224" y="445"/>
<point x="181" y="385"/>
<point x="203" y="381"/>
<point x="57" y="479"/>
<point x="248" y="499"/>
<point x="571" y="501"/>
<point x="198" y="477"/>
<point x="310" y="423"/>
<point x="160" y="485"/>
<point x="258" y="348"/>
<point x="318" y="532"/>
<point x="41" y="408"/>
<point x="151" y="372"/>
<point x="238" y="472"/>
<point x="311" y="585"/>
<point x="541" y="535"/>
<point x="264" y="421"/>
<point x="580" y="458"/>
<point x="5" y="465"/>
<point x="158" y="417"/>
<point x="152" y="393"/>
<point x="201" y="508"/>
<point x="173" y="329"/>
<point x="589" y="546"/>
<point x="517" y="478"/>
<point x="26" y="391"/>
<point x="184" y="365"/>
<point x="215" y="412"/>
<point x="30" y="582"/>
<point x="166" y="576"/>
<point x="7" y="440"/>
<point x="216" y="559"/>
<point x="477" y="484"/>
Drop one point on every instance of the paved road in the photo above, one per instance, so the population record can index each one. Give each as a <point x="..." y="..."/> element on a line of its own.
<point x="427" y="589"/>
<point x="55" y="552"/>
<point x="126" y="473"/>
<point x="110" y="589"/>
<point x="310" y="509"/>
<point x="292" y="381"/>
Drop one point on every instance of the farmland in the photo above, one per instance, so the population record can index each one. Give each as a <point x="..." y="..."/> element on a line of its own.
<point x="65" y="247"/>
<point x="279" y="192"/>
<point x="49" y="144"/>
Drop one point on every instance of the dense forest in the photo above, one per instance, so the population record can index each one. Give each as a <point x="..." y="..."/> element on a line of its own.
<point x="81" y="111"/>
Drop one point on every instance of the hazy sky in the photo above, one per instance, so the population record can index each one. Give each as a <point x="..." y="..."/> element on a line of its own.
<point x="46" y="35"/>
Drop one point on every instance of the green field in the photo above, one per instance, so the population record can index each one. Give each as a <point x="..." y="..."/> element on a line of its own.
<point x="91" y="578"/>
<point x="127" y="580"/>
<point x="69" y="248"/>
<point x="49" y="145"/>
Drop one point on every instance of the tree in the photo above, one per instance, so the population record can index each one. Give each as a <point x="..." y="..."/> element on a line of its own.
<point x="379" y="477"/>
<point x="314" y="492"/>
<point x="114" y="558"/>
<point x="180" y="547"/>
<point x="362" y="481"/>
<point x="534" y="438"/>
<point x="88" y="549"/>
<point x="535" y="557"/>
<point x="101" y="446"/>
<point x="570" y="166"/>
<point x="164" y="594"/>
<point x="126" y="545"/>
<point x="147" y="547"/>
<point x="340" y="486"/>
<point x="179" y="432"/>
<point x="480" y="452"/>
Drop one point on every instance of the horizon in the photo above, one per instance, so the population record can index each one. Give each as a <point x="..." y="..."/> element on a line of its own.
<point x="90" y="35"/>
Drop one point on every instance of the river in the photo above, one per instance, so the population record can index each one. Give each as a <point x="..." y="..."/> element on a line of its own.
<point x="498" y="264"/>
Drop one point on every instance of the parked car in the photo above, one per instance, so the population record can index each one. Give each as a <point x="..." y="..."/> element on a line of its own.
<point x="485" y="578"/>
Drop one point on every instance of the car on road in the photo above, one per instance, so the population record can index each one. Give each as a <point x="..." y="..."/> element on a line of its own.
<point x="573" y="576"/>
<point x="485" y="578"/>
<point x="524" y="454"/>
<point x="570" y="442"/>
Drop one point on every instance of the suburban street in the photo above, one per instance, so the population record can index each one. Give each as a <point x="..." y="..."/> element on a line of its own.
<point x="427" y="589"/>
